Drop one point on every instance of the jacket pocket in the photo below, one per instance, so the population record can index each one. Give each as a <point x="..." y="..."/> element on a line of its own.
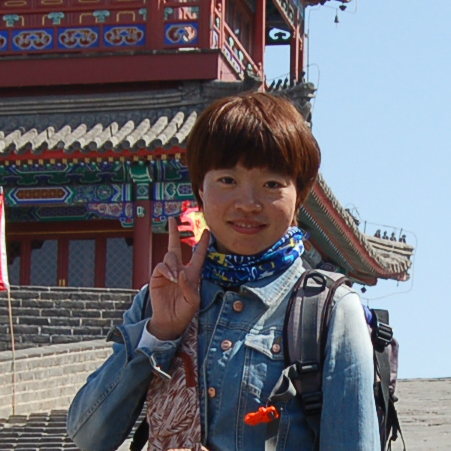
<point x="264" y="362"/>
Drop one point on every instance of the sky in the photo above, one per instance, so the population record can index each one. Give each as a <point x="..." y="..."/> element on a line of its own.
<point x="382" y="117"/>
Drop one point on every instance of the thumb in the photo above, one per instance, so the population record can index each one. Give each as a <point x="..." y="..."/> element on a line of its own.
<point x="199" y="254"/>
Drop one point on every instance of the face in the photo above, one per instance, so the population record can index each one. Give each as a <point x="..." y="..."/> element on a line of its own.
<point x="248" y="210"/>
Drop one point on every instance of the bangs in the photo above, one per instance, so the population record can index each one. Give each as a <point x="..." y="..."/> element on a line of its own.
<point x="241" y="135"/>
<point x="256" y="130"/>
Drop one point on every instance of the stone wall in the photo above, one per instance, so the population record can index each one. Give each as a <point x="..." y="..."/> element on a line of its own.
<point x="51" y="315"/>
<point x="47" y="377"/>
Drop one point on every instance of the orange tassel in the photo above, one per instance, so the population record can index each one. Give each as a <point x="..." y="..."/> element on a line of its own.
<point x="264" y="415"/>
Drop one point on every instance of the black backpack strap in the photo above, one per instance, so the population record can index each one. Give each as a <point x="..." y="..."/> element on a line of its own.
<point x="305" y="335"/>
<point x="382" y="337"/>
<point x="141" y="435"/>
<point x="146" y="308"/>
<point x="382" y="364"/>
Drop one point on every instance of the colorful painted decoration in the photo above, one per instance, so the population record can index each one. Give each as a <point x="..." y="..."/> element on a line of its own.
<point x="78" y="38"/>
<point x="11" y="19"/>
<point x="162" y="210"/>
<point x="69" y="195"/>
<point x="120" y="36"/>
<point x="276" y="36"/>
<point x="120" y="210"/>
<point x="169" y="170"/>
<point x="56" y="17"/>
<point x="32" y="40"/>
<point x="172" y="191"/>
<point x="231" y="58"/>
<point x="3" y="40"/>
<point x="101" y="15"/>
<point x="38" y="195"/>
<point x="181" y="33"/>
<point x="64" y="174"/>
<point x="143" y="12"/>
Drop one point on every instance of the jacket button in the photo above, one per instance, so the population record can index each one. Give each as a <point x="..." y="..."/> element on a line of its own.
<point x="275" y="348"/>
<point x="211" y="392"/>
<point x="226" y="345"/>
<point x="238" y="306"/>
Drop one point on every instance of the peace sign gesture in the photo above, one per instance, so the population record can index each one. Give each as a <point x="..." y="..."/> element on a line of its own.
<point x="174" y="287"/>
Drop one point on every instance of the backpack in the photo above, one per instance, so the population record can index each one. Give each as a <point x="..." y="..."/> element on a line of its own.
<point x="305" y="334"/>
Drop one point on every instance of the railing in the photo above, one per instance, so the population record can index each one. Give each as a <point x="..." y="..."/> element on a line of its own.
<point x="225" y="39"/>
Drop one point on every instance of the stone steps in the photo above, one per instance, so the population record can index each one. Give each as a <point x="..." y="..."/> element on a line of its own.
<point x="45" y="431"/>
<point x="53" y="315"/>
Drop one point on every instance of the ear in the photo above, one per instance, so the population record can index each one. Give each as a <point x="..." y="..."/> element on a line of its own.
<point x="201" y="194"/>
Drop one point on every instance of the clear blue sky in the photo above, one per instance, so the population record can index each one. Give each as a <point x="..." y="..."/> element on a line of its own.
<point x="382" y="116"/>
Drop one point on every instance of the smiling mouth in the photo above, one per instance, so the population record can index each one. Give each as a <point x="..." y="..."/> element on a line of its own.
<point x="245" y="227"/>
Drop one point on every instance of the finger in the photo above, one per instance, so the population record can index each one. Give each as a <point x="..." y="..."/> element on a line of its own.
<point x="162" y="270"/>
<point x="174" y="244"/>
<point x="173" y="263"/>
<point x="190" y="291"/>
<point x="198" y="257"/>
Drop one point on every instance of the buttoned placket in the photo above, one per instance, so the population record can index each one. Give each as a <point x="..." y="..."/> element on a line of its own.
<point x="222" y="343"/>
<point x="205" y="396"/>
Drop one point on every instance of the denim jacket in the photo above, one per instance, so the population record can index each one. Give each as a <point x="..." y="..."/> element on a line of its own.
<point x="241" y="357"/>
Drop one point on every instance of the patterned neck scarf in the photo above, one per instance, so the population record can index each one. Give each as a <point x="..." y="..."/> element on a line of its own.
<point x="235" y="270"/>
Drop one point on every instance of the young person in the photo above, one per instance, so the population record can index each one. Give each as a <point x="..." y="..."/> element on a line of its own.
<point x="211" y="351"/>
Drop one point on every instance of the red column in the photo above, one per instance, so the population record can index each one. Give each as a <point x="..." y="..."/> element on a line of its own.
<point x="258" y="55"/>
<point x="142" y="243"/>
<point x="295" y="56"/>
<point x="155" y="15"/>
<point x="205" y="18"/>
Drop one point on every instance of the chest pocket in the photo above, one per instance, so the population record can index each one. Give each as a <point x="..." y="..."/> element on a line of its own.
<point x="264" y="362"/>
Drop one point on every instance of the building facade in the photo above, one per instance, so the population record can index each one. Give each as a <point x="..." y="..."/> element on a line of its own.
<point x="97" y="99"/>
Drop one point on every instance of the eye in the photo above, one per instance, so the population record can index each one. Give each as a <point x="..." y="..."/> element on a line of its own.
<point x="227" y="180"/>
<point x="273" y="184"/>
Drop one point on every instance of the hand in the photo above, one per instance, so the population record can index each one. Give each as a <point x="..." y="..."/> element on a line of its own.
<point x="174" y="287"/>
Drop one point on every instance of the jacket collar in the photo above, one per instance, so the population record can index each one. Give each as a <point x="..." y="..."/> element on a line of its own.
<point x="272" y="289"/>
<point x="268" y="290"/>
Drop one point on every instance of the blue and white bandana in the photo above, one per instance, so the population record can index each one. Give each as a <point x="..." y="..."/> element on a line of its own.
<point x="234" y="270"/>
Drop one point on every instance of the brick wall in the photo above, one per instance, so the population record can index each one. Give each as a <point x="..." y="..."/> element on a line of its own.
<point x="51" y="315"/>
<point x="47" y="377"/>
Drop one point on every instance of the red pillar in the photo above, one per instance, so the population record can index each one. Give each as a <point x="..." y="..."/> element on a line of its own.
<point x="204" y="21"/>
<point x="260" y="35"/>
<point x="295" y="57"/>
<point x="142" y="243"/>
<point x="155" y="15"/>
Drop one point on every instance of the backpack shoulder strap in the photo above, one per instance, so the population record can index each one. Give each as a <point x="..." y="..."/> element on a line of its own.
<point x="146" y="307"/>
<point x="305" y="335"/>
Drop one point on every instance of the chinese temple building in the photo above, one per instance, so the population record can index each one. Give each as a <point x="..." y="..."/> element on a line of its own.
<point x="97" y="99"/>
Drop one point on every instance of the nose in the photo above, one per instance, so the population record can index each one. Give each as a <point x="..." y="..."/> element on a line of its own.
<point x="248" y="200"/>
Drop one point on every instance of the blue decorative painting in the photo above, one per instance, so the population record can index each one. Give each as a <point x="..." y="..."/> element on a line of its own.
<point x="181" y="33"/>
<point x="78" y="38"/>
<point x="124" y="35"/>
<point x="3" y="40"/>
<point x="32" y="40"/>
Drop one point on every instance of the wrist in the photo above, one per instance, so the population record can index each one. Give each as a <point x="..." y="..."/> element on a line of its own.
<point x="162" y="333"/>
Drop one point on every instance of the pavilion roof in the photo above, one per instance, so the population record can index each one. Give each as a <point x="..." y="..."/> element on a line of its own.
<point x="335" y="233"/>
<point x="114" y="125"/>
<point x="140" y="125"/>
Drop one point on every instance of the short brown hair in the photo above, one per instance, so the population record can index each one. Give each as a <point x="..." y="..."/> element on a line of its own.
<point x="256" y="130"/>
